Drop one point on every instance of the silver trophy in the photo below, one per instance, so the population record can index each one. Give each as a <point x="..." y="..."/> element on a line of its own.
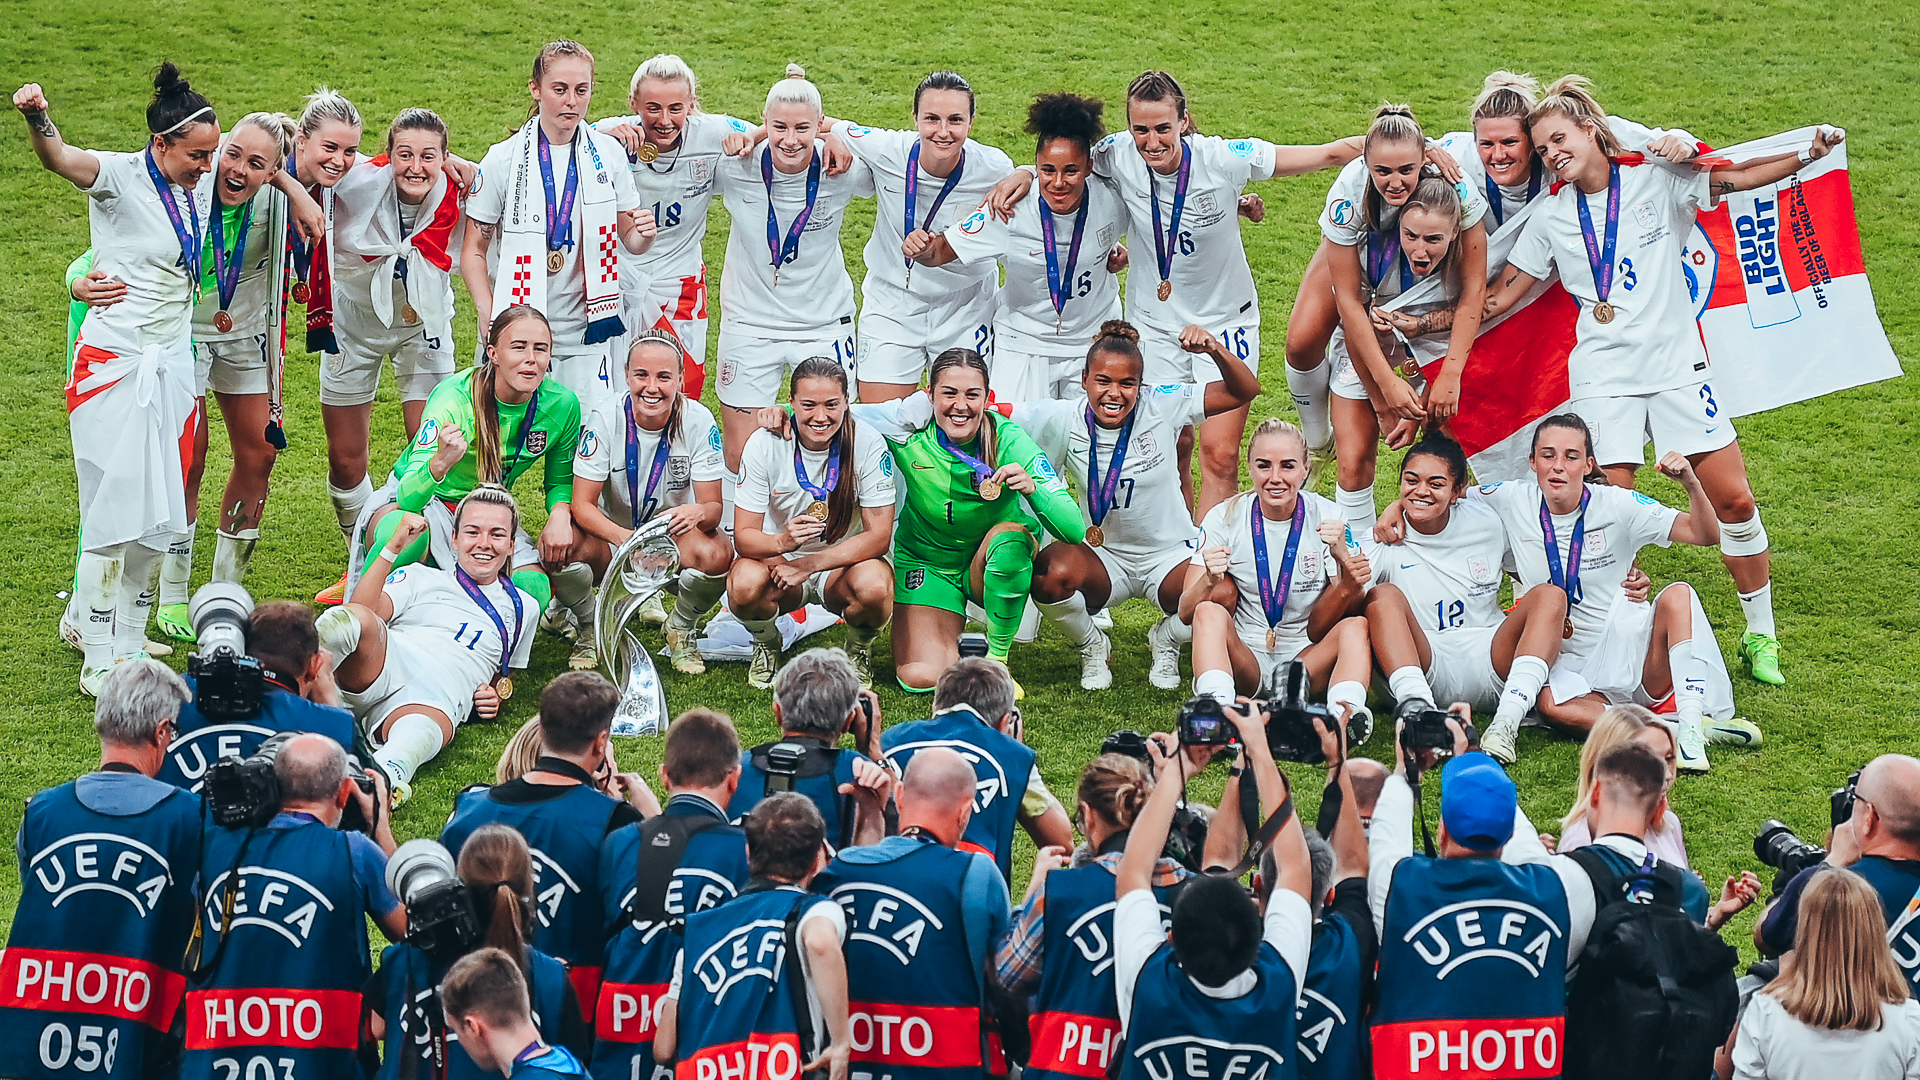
<point x="640" y="569"/>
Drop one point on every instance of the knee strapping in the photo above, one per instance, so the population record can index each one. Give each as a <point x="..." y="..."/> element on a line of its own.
<point x="1747" y="537"/>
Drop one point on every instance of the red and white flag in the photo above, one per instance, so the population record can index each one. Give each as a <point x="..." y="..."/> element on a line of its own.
<point x="1779" y="289"/>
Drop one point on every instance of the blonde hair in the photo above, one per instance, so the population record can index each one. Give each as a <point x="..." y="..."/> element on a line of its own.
<point x="1391" y="123"/>
<point x="1505" y="95"/>
<point x="668" y="68"/>
<point x="1571" y="96"/>
<point x="1840" y="972"/>
<point x="1619" y="724"/>
<point x="326" y="104"/>
<point x="1274" y="425"/>
<point x="794" y="89"/>
<point x="488" y="495"/>
<point x="1115" y="787"/>
<point x="277" y="126"/>
<point x="517" y="758"/>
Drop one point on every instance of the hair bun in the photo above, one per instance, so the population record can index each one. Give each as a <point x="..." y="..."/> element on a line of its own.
<point x="1388" y="108"/>
<point x="795" y="71"/>
<point x="1118" y="328"/>
<point x="167" y="81"/>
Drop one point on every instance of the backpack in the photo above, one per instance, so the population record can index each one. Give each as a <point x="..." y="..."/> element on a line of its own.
<point x="1654" y="994"/>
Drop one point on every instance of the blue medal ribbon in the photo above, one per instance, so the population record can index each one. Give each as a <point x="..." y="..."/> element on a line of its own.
<point x="1163" y="238"/>
<point x="1273" y="596"/>
<point x="1569" y="580"/>
<point x="226" y="268"/>
<point x="1060" y="285"/>
<point x="560" y="218"/>
<point x="1493" y="193"/>
<point x="660" y="454"/>
<point x="1102" y="489"/>
<point x="302" y="251"/>
<point x="1600" y="253"/>
<point x="832" y="477"/>
<point x="479" y="597"/>
<point x="913" y="189"/>
<point x="187" y="230"/>
<point x="1380" y="256"/>
<point x="785" y="252"/>
<point x="526" y="428"/>
<point x="981" y="470"/>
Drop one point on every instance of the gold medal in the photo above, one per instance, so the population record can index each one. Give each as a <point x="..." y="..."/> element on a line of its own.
<point x="222" y="321"/>
<point x="990" y="490"/>
<point x="503" y="686"/>
<point x="1603" y="313"/>
<point x="299" y="292"/>
<point x="1166" y="290"/>
<point x="817" y="511"/>
<point x="555" y="260"/>
<point x="647" y="152"/>
<point x="1273" y="638"/>
<point x="408" y="315"/>
<point x="1566" y="630"/>
<point x="1095" y="537"/>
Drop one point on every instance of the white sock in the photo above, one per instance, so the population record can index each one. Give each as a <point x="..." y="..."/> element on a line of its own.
<point x="1408" y="683"/>
<point x="1757" y="606"/>
<point x="573" y="590"/>
<point x="1072" y="616"/>
<point x="1525" y="677"/>
<point x="139" y="585"/>
<point x="1357" y="509"/>
<point x="339" y="631"/>
<point x="96" y="594"/>
<point x="698" y="593"/>
<point x="1215" y="684"/>
<point x="232" y="551"/>
<point x="1346" y="693"/>
<point x="1309" y="390"/>
<point x="411" y="743"/>
<point x="1181" y="632"/>
<point x="1689" y="682"/>
<point x="348" y="503"/>
<point x="176" y="570"/>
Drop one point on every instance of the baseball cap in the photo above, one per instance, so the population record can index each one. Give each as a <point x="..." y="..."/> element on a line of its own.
<point x="1477" y="802"/>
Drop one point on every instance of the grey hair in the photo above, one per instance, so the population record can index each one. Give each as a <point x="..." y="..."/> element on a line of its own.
<point x="1319" y="854"/>
<point x="817" y="692"/>
<point x="981" y="684"/>
<point x="136" y="698"/>
<point x="667" y="68"/>
<point x="310" y="775"/>
<point x="325" y="104"/>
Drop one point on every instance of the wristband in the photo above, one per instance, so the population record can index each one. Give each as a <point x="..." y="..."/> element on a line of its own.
<point x="390" y="555"/>
<point x="1806" y="155"/>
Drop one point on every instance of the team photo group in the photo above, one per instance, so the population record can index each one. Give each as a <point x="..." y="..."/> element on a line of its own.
<point x="1039" y="406"/>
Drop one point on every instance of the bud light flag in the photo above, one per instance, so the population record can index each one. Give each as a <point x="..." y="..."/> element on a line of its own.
<point x="1779" y="289"/>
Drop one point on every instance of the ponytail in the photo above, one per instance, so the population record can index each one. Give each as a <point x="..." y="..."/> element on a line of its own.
<point x="843" y="500"/>
<point x="1505" y="95"/>
<point x="277" y="126"/>
<point x="1571" y="96"/>
<point x="496" y="863"/>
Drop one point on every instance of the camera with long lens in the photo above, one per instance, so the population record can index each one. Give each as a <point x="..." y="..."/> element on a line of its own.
<point x="1778" y="847"/>
<point x="244" y="792"/>
<point x="1841" y="801"/>
<point x="1290" y="733"/>
<point x="227" y="682"/>
<point x="784" y="760"/>
<point x="441" y="919"/>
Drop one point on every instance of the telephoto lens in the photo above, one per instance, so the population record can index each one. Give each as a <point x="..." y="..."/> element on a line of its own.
<point x="1779" y="848"/>
<point x="440" y="916"/>
<point x="227" y="683"/>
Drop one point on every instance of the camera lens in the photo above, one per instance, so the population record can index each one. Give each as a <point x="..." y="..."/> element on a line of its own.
<point x="417" y="866"/>
<point x="219" y="613"/>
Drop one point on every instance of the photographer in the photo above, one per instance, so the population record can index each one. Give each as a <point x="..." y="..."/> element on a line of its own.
<point x="565" y="819"/>
<point x="1879" y="839"/>
<point x="1219" y="998"/>
<point x="496" y="869"/>
<point x="687" y="859"/>
<point x="485" y="1000"/>
<point x="87" y="850"/>
<point x="973" y="713"/>
<point x="285" y="927"/>
<point x="816" y="699"/>
<point x="923" y="916"/>
<point x="297" y="694"/>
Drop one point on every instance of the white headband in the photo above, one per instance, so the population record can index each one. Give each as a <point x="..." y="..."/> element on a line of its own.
<point x="205" y="110"/>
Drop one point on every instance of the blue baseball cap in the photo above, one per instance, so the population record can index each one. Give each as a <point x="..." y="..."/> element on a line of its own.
<point x="1477" y="802"/>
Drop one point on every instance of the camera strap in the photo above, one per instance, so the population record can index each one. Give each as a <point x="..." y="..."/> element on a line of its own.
<point x="429" y="1013"/>
<point x="1420" y="809"/>
<point x="196" y="943"/>
<point x="663" y="845"/>
<point x="1260" y="839"/>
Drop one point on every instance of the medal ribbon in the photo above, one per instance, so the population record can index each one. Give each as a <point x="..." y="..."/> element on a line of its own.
<point x="1101" y="490"/>
<point x="820" y="491"/>
<point x="1570" y="579"/>
<point x="1381" y="256"/>
<point x="1163" y="239"/>
<point x="1599" y="253"/>
<point x="981" y="470"/>
<point x="400" y="263"/>
<point x="526" y="426"/>
<point x="784" y="252"/>
<point x="1493" y="194"/>
<point x="1059" y="285"/>
<point x="1273" y="598"/>
<point x="660" y="454"/>
<point x="227" y="267"/>
<point x="560" y="219"/>
<point x="499" y="623"/>
<point x="188" y="230"/>
<point x="302" y="251"/>
<point x="913" y="188"/>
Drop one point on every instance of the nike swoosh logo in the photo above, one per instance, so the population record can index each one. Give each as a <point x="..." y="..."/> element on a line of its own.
<point x="1728" y="734"/>
<point x="1407" y="565"/>
<point x="918" y="465"/>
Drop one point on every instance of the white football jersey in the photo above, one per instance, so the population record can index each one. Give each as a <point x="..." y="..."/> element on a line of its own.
<point x="1026" y="303"/>
<point x="693" y="456"/>
<point x="430" y="607"/>
<point x="1228" y="525"/>
<point x="253" y="296"/>
<point x="1451" y="578"/>
<point x="1343" y="221"/>
<point x="769" y="486"/>
<point x="1619" y="523"/>
<point x="813" y="290"/>
<point x="886" y="152"/>
<point x="678" y="187"/>
<point x="1514" y="198"/>
<point x="134" y="242"/>
<point x="1212" y="284"/>
<point x="1149" y="514"/>
<point x="1653" y="342"/>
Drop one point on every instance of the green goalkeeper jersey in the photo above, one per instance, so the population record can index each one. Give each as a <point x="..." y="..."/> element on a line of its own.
<point x="945" y="518"/>
<point x="551" y="440"/>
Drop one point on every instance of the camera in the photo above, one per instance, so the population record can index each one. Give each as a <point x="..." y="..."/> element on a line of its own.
<point x="1779" y="848"/>
<point x="1841" y="810"/>
<point x="441" y="920"/>
<point x="1290" y="734"/>
<point x="1427" y="730"/>
<point x="1203" y="721"/>
<point x="244" y="793"/>
<point x="974" y="644"/>
<point x="227" y="682"/>
<point x="1187" y="836"/>
<point x="1128" y="743"/>
<point x="784" y="760"/>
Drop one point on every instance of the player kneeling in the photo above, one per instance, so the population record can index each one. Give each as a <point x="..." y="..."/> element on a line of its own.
<point x="407" y="684"/>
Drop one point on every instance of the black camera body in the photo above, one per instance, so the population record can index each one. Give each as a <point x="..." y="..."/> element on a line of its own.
<point x="1778" y="847"/>
<point x="784" y="761"/>
<point x="973" y="644"/>
<point x="1128" y="743"/>
<point x="1427" y="730"/>
<point x="244" y="793"/>
<point x="1290" y="733"/>
<point x="1841" y="802"/>
<point x="228" y="684"/>
<point x="1203" y="721"/>
<point x="442" y="920"/>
